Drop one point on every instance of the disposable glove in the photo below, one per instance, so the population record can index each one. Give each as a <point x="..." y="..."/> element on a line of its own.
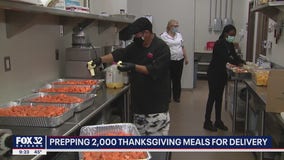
<point x="242" y="62"/>
<point x="126" y="67"/>
<point x="97" y="61"/>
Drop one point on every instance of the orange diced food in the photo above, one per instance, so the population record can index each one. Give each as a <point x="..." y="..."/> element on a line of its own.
<point x="33" y="111"/>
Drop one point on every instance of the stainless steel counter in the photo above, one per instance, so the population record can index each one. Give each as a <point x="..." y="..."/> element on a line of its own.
<point x="236" y="78"/>
<point x="256" y="107"/>
<point x="104" y="98"/>
<point x="255" y="110"/>
<point x="260" y="92"/>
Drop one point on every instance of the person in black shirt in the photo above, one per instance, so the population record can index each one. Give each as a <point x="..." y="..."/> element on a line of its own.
<point x="223" y="52"/>
<point x="147" y="61"/>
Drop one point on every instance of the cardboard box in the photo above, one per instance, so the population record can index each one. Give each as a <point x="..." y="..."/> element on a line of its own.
<point x="275" y="91"/>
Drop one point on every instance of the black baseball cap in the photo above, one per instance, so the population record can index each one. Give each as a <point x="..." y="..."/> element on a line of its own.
<point x="141" y="24"/>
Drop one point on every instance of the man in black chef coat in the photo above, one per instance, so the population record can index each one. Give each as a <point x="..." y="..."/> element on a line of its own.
<point x="147" y="61"/>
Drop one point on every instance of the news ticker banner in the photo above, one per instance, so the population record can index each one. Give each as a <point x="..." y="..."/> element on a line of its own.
<point x="40" y="145"/>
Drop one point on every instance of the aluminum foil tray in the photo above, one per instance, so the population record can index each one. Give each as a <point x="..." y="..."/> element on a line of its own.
<point x="68" y="79"/>
<point x="100" y="83"/>
<point x="105" y="128"/>
<point x="48" y="86"/>
<point x="239" y="76"/>
<point x="88" y="100"/>
<point x="96" y="130"/>
<point x="36" y="121"/>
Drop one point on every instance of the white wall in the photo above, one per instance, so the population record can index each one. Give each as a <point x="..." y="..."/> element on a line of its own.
<point x="32" y="55"/>
<point x="109" y="6"/>
<point x="164" y="10"/>
<point x="202" y="34"/>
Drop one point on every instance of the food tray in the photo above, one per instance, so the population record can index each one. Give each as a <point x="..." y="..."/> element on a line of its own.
<point x="99" y="85"/>
<point x="104" y="128"/>
<point x="240" y="76"/>
<point x="100" y="81"/>
<point x="49" y="86"/>
<point x="95" y="130"/>
<point x="36" y="121"/>
<point x="88" y="100"/>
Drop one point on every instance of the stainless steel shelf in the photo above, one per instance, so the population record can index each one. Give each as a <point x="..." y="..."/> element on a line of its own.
<point x="277" y="4"/>
<point x="271" y="9"/>
<point x="20" y="16"/>
<point x="204" y="51"/>
<point x="203" y="73"/>
<point x="23" y="7"/>
<point x="203" y="60"/>
<point x="203" y="63"/>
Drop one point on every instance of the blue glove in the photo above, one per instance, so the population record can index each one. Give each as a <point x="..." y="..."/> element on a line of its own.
<point x="126" y="67"/>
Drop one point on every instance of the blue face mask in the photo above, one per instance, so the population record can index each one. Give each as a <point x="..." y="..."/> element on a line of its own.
<point x="230" y="39"/>
<point x="175" y="29"/>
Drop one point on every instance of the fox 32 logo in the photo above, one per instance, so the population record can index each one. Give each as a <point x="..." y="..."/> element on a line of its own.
<point x="29" y="142"/>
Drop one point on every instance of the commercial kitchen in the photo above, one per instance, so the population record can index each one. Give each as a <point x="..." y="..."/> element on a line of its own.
<point x="46" y="43"/>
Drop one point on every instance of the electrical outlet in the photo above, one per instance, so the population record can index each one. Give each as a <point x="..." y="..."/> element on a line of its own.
<point x="7" y="63"/>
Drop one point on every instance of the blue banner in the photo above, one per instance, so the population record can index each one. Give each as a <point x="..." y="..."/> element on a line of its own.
<point x="40" y="145"/>
<point x="160" y="142"/>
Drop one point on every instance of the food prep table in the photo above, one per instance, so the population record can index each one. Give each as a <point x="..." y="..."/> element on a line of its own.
<point x="258" y="108"/>
<point x="104" y="98"/>
<point x="236" y="78"/>
<point x="260" y="93"/>
<point x="258" y="122"/>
